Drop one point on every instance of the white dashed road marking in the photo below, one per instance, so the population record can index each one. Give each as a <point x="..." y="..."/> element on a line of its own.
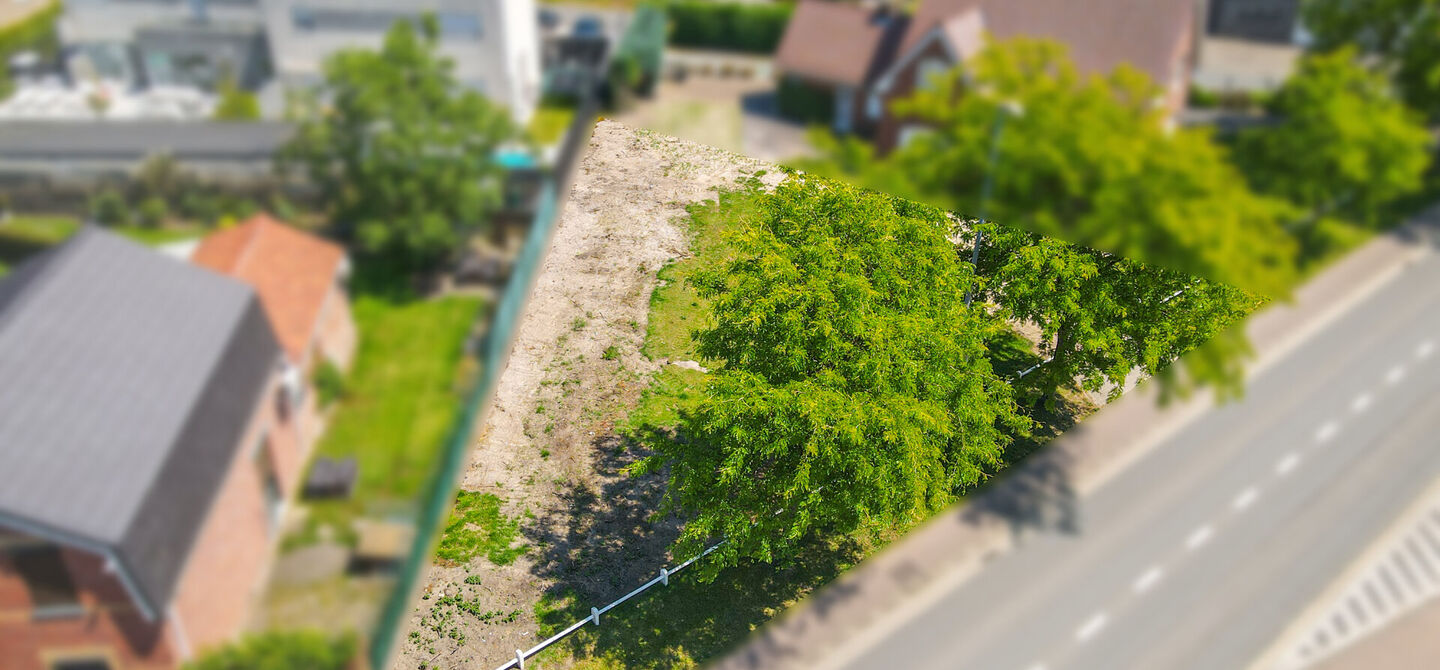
<point x="1287" y="464"/>
<point x="1091" y="627"/>
<point x="1199" y="537"/>
<point x="1147" y="580"/>
<point x="1245" y="499"/>
<point x="1327" y="431"/>
<point x="1362" y="402"/>
<point x="1395" y="375"/>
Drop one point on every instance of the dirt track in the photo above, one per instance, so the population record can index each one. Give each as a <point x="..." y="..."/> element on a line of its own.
<point x="548" y="447"/>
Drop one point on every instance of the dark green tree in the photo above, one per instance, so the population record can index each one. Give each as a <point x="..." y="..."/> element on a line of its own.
<point x="854" y="390"/>
<point x="1343" y="145"/>
<point x="402" y="154"/>
<point x="1402" y="37"/>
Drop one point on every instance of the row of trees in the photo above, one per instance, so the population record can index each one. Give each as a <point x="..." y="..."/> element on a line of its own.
<point x="855" y="389"/>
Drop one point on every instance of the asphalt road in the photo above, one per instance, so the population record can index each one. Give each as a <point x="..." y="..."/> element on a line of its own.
<point x="1199" y="554"/>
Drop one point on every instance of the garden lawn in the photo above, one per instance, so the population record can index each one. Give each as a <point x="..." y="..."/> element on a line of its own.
<point x="402" y="396"/>
<point x="548" y="124"/>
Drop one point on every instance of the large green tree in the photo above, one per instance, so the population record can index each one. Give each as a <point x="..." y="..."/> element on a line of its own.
<point x="1402" y="37"/>
<point x="402" y="154"/>
<point x="1343" y="144"/>
<point x="854" y="390"/>
<point x="1089" y="159"/>
<point x="1102" y="316"/>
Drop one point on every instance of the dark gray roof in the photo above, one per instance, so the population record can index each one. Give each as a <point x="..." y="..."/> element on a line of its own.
<point x="192" y="140"/>
<point x="129" y="380"/>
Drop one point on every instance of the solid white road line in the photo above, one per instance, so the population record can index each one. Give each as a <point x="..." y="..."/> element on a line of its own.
<point x="1362" y="402"/>
<point x="1245" y="499"/>
<point x="1199" y="537"/>
<point x="1425" y="349"/>
<point x="1287" y="464"/>
<point x="1327" y="431"/>
<point x="1091" y="627"/>
<point x="1395" y="374"/>
<point x="1147" y="580"/>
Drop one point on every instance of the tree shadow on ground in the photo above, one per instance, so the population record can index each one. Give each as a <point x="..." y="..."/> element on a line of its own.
<point x="610" y="545"/>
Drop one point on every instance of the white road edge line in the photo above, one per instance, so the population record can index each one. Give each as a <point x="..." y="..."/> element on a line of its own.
<point x="1286" y="464"/>
<point x="1245" y="499"/>
<point x="1362" y="402"/>
<point x="1147" y="580"/>
<point x="1327" y="431"/>
<point x="1199" y="537"/>
<point x="1395" y="374"/>
<point x="1091" y="627"/>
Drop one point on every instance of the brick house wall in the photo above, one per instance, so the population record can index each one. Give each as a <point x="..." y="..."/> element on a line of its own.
<point x="887" y="131"/>
<point x="335" y="335"/>
<point x="108" y="626"/>
<point x="218" y="589"/>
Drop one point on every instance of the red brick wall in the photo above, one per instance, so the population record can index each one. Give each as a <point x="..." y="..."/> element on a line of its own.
<point x="335" y="337"/>
<point x="232" y="555"/>
<point x="110" y="627"/>
<point x="887" y="132"/>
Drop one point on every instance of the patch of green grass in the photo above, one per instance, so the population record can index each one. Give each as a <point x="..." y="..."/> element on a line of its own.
<point x="477" y="527"/>
<point x="548" y="124"/>
<point x="42" y="229"/>
<point x="402" y="396"/>
<point x="23" y="236"/>
<point x="671" y="390"/>
<point x="676" y="310"/>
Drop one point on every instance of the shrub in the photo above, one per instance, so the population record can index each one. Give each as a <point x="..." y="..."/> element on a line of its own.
<point x="1203" y="98"/>
<point x="280" y="651"/>
<point x="109" y="208"/>
<point x="329" y="383"/>
<point x="153" y="211"/>
<point x="729" y="25"/>
<point x="803" y="102"/>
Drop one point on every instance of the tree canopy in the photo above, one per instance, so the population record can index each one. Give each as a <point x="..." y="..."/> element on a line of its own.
<point x="1085" y="158"/>
<point x="1102" y="316"/>
<point x="1343" y="144"/>
<point x="854" y="389"/>
<point x="401" y="153"/>
<point x="1403" y="36"/>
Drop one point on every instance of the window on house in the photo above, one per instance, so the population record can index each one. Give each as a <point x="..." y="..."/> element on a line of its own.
<point x="269" y="482"/>
<point x="81" y="664"/>
<point x="929" y="72"/>
<point x="460" y="25"/>
<point x="42" y="569"/>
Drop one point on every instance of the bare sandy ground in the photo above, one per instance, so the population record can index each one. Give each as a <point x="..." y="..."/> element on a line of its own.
<point x="548" y="447"/>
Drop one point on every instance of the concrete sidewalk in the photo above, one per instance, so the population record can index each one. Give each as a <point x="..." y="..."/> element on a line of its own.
<point x="871" y="600"/>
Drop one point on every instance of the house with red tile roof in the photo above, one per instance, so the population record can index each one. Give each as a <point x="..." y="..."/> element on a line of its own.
<point x="300" y="279"/>
<point x="869" y="57"/>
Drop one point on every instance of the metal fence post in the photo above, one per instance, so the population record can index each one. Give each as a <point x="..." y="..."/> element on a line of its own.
<point x="520" y="658"/>
<point x="595" y="616"/>
<point x="664" y="576"/>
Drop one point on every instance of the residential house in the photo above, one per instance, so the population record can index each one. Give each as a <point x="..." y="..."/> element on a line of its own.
<point x="194" y="43"/>
<point x="494" y="44"/>
<point x="849" y="47"/>
<point x="147" y="448"/>
<point x="300" y="279"/>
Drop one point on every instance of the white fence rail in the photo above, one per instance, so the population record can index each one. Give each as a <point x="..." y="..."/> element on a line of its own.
<point x="594" y="618"/>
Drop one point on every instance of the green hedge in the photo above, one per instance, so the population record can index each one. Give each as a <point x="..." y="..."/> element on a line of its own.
<point x="726" y="25"/>
<point x="805" y="103"/>
<point x="36" y="32"/>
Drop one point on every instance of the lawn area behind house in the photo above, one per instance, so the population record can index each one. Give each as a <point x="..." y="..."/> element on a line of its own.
<point x="548" y="124"/>
<point x="401" y="398"/>
<point x="22" y="236"/>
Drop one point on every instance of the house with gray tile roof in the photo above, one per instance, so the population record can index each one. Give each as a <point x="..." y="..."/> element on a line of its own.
<point x="144" y="454"/>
